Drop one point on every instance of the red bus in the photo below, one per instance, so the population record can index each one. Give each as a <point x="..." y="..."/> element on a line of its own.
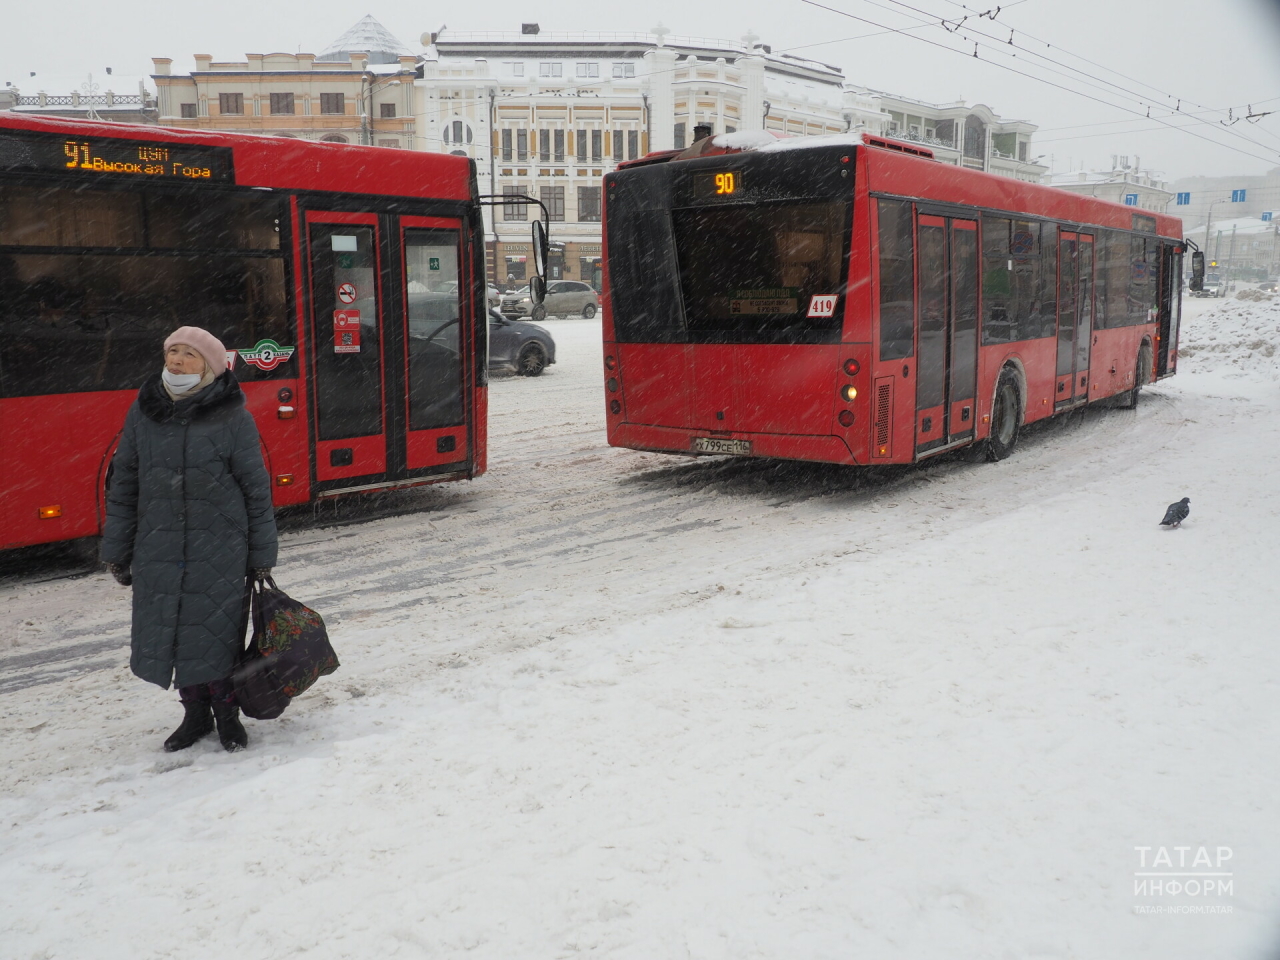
<point x="860" y="302"/>
<point x="346" y="282"/>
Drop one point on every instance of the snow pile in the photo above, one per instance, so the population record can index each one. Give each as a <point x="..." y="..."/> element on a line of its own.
<point x="745" y="139"/>
<point x="1238" y="338"/>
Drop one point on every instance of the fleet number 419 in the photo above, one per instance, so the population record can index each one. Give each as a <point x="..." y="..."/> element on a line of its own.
<point x="823" y="306"/>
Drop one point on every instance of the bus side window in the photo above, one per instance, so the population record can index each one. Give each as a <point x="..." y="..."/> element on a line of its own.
<point x="997" y="281"/>
<point x="897" y="279"/>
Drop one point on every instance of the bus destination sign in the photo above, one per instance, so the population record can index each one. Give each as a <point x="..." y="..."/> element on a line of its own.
<point x="718" y="183"/>
<point x="92" y="157"/>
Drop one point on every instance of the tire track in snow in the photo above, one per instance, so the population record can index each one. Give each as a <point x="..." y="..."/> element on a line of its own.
<point x="561" y="512"/>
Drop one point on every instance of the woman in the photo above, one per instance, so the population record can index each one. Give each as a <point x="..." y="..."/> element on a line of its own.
<point x="188" y="518"/>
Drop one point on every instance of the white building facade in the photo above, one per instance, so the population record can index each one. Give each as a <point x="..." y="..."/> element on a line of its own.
<point x="1123" y="184"/>
<point x="547" y="115"/>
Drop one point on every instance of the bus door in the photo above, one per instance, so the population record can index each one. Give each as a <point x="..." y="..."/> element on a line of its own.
<point x="438" y="318"/>
<point x="391" y="322"/>
<point x="947" y="353"/>
<point x="347" y="350"/>
<point x="1170" y="309"/>
<point x="1075" y="317"/>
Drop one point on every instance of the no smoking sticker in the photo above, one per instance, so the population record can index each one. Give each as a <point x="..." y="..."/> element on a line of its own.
<point x="347" y="292"/>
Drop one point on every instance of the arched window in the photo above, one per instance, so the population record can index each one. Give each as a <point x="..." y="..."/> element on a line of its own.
<point x="975" y="137"/>
<point x="457" y="132"/>
<point x="457" y="153"/>
<point x="334" y="138"/>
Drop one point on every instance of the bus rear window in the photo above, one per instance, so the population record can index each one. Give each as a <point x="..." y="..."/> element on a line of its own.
<point x="764" y="273"/>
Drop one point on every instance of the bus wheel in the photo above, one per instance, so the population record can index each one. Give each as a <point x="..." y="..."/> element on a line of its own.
<point x="1004" y="418"/>
<point x="532" y="361"/>
<point x="1140" y="374"/>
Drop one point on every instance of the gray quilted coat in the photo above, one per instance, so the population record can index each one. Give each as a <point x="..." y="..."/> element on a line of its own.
<point x="189" y="508"/>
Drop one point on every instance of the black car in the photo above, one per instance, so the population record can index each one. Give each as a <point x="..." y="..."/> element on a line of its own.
<point x="518" y="346"/>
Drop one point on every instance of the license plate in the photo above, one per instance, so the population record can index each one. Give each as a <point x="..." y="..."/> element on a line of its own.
<point x="716" y="445"/>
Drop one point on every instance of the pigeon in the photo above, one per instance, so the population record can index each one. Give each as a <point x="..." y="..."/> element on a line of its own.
<point x="1176" y="513"/>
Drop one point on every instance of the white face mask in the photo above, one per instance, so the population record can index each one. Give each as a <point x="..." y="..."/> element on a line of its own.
<point x="180" y="382"/>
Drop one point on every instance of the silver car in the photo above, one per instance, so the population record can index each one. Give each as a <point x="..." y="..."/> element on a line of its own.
<point x="565" y="298"/>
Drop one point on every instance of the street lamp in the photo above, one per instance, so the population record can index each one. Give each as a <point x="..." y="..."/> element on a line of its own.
<point x="367" y="84"/>
<point x="1209" y="222"/>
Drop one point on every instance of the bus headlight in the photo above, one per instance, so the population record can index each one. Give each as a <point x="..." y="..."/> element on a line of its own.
<point x="848" y="393"/>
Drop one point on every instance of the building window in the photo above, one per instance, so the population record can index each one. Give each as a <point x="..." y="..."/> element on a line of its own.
<point x="597" y="146"/>
<point x="389" y="142"/>
<point x="387" y="111"/>
<point x="544" y="146"/>
<point x="282" y="103"/>
<point x="506" y="145"/>
<point x="623" y="70"/>
<point x="633" y="144"/>
<point x="617" y="145"/>
<point x="188" y="111"/>
<point x="514" y="211"/>
<point x="588" y="69"/>
<point x="589" y="204"/>
<point x="1022" y="150"/>
<point x="551" y="69"/>
<point x="332" y="103"/>
<point x="334" y="138"/>
<point x="553" y="197"/>
<point x="580" y="140"/>
<point x="515" y="69"/>
<point x="522" y="145"/>
<point x="559" y="135"/>
<point x="679" y="144"/>
<point x="231" y="103"/>
<point x="457" y="132"/>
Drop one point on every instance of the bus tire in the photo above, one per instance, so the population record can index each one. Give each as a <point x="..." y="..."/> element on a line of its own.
<point x="532" y="361"/>
<point x="1005" y="417"/>
<point x="1141" y="374"/>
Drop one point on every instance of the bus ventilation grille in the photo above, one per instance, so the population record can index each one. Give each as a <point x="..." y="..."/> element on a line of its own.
<point x="884" y="394"/>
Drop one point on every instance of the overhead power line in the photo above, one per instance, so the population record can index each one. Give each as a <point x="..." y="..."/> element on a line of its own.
<point x="1088" y="79"/>
<point x="1038" y="79"/>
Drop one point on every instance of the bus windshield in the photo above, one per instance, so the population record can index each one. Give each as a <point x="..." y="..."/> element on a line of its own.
<point x="751" y="273"/>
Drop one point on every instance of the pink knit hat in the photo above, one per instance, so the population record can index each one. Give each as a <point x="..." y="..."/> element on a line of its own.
<point x="204" y="343"/>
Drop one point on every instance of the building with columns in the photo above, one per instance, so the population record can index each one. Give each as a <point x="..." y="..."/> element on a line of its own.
<point x="548" y="114"/>
<point x="962" y="135"/>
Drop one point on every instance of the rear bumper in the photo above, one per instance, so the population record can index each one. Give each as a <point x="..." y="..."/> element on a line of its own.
<point x="823" y="449"/>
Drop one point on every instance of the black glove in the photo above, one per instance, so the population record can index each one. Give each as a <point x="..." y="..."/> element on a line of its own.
<point x="123" y="575"/>
<point x="261" y="573"/>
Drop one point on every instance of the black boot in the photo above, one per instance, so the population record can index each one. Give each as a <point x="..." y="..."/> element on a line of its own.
<point x="196" y="724"/>
<point x="230" y="730"/>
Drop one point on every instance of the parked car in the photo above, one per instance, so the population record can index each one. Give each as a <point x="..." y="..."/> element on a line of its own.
<point x="492" y="295"/>
<point x="564" y="298"/>
<point x="518" y="346"/>
<point x="1269" y="286"/>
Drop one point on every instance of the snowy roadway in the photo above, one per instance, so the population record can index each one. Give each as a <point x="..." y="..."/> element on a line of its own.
<point x="606" y="703"/>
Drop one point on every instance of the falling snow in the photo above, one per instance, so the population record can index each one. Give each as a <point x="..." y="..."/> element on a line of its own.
<point x="608" y="703"/>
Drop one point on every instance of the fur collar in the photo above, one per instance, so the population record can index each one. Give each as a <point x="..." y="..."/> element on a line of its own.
<point x="154" y="400"/>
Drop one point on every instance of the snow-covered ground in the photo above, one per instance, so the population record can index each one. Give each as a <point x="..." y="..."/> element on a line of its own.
<point x="607" y="703"/>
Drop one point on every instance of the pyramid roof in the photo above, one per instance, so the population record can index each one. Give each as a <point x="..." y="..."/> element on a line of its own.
<point x="370" y="37"/>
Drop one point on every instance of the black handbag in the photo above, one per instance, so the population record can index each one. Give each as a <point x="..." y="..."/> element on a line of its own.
<point x="288" y="652"/>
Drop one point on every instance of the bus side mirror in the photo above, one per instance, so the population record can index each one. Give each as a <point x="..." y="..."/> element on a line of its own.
<point x="537" y="289"/>
<point x="541" y="249"/>
<point x="1197" y="271"/>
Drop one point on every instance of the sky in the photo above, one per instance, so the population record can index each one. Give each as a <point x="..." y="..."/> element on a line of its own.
<point x="1138" y="55"/>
